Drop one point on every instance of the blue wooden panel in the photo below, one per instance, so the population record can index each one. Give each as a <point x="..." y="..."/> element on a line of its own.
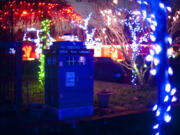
<point x="70" y="78"/>
<point x="4" y="44"/>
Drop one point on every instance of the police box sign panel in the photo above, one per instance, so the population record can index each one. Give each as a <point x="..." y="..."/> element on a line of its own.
<point x="76" y="52"/>
<point x="70" y="79"/>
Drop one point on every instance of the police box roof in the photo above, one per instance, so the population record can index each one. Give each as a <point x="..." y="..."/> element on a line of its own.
<point x="68" y="45"/>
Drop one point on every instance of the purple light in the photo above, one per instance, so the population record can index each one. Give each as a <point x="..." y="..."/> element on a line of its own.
<point x="174" y="99"/>
<point x="167" y="118"/>
<point x="173" y="91"/>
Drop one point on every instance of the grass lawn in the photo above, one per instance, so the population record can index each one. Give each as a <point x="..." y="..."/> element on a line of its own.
<point x="125" y="96"/>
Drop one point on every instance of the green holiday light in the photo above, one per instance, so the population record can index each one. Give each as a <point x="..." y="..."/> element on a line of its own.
<point x="46" y="30"/>
<point x="44" y="39"/>
<point x="42" y="70"/>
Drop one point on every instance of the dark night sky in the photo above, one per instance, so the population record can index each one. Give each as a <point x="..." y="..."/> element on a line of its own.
<point x="175" y="4"/>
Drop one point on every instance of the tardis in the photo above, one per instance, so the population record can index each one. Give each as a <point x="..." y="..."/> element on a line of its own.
<point x="69" y="79"/>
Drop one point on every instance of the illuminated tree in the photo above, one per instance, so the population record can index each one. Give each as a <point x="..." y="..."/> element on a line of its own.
<point x="129" y="30"/>
<point x="174" y="26"/>
<point x="120" y="27"/>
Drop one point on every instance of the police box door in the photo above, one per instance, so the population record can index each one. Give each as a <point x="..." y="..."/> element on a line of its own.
<point x="76" y="83"/>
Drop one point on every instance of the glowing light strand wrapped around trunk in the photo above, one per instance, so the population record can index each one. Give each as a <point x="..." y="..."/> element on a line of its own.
<point x="166" y="93"/>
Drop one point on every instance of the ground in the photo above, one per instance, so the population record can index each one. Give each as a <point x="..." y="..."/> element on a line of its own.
<point x="124" y="96"/>
<point x="127" y="96"/>
<point x="129" y="112"/>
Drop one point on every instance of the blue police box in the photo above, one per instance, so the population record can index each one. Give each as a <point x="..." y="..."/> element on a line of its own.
<point x="69" y="79"/>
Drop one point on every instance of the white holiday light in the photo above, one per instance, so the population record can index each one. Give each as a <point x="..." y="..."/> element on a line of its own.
<point x="155" y="107"/>
<point x="168" y="87"/>
<point x="174" y="99"/>
<point x="90" y="42"/>
<point x="153" y="72"/>
<point x="156" y="126"/>
<point x="167" y="118"/>
<point x="169" y="108"/>
<point x="173" y="91"/>
<point x="37" y="40"/>
<point x="166" y="98"/>
<point x="170" y="71"/>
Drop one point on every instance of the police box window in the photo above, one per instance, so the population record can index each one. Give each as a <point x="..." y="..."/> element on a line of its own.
<point x="82" y="60"/>
<point x="71" y="60"/>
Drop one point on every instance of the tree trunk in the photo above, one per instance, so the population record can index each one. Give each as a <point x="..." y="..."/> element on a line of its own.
<point x="140" y="79"/>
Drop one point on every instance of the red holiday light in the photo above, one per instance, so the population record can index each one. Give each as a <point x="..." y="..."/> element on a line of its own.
<point x="24" y="14"/>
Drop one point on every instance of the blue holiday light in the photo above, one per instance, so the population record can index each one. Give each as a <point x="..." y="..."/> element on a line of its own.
<point x="159" y="56"/>
<point x="135" y="27"/>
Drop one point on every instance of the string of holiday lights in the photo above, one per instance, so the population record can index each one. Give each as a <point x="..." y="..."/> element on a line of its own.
<point x="38" y="40"/>
<point x="159" y="55"/>
<point x="42" y="69"/>
<point x="135" y="27"/>
<point x="43" y="41"/>
<point x="174" y="18"/>
<point x="22" y="15"/>
<point x="173" y="28"/>
<point x="89" y="41"/>
<point x="133" y="20"/>
<point x="45" y="44"/>
<point x="45" y="32"/>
